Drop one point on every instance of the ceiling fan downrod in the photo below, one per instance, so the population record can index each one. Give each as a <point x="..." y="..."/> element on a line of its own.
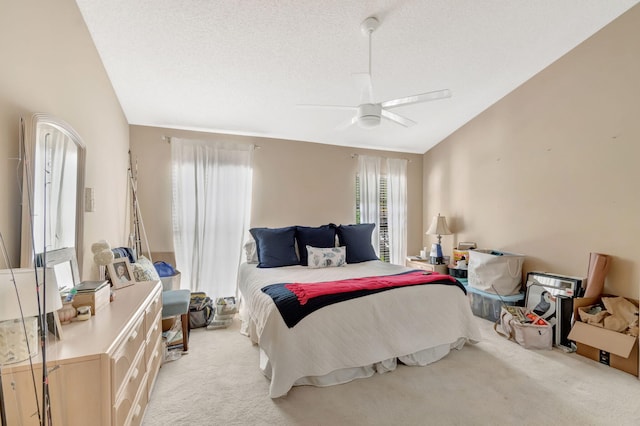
<point x="368" y="26"/>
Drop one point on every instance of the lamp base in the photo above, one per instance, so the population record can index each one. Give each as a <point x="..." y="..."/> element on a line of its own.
<point x="435" y="256"/>
<point x="13" y="342"/>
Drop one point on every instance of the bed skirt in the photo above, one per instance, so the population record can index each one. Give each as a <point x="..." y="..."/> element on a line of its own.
<point x="345" y="375"/>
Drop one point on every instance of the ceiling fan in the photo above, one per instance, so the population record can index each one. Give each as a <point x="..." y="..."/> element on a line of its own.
<point x="370" y="113"/>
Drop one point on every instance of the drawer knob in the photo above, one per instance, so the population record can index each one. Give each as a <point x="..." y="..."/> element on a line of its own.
<point x="137" y="412"/>
<point x="133" y="336"/>
<point x="134" y="375"/>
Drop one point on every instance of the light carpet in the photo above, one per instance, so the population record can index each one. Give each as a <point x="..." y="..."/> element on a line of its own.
<point x="495" y="382"/>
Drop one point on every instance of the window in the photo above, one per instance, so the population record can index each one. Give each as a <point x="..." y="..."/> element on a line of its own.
<point x="383" y="229"/>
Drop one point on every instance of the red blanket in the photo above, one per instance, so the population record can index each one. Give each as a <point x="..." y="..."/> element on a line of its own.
<point x="306" y="291"/>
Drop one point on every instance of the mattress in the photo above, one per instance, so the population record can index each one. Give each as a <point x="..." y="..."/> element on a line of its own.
<point x="415" y="325"/>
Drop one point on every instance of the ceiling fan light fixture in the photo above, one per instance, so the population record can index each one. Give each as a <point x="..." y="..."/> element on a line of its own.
<point x="369" y="121"/>
<point x="369" y="115"/>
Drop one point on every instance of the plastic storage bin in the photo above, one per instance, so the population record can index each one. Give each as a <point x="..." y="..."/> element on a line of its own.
<point x="487" y="305"/>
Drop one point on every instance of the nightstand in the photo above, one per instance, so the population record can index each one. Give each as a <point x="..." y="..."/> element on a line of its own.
<point x="424" y="264"/>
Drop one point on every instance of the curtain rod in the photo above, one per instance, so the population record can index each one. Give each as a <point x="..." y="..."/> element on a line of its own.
<point x="168" y="139"/>
<point x="354" y="155"/>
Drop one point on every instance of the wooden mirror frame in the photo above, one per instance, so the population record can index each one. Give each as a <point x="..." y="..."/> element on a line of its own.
<point x="32" y="149"/>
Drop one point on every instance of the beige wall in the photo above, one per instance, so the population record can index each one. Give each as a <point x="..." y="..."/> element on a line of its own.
<point x="551" y="170"/>
<point x="50" y="65"/>
<point x="294" y="183"/>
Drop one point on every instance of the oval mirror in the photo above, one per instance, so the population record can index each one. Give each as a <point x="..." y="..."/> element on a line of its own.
<point x="52" y="189"/>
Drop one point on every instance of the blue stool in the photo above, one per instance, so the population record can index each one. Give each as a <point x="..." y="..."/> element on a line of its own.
<point x="174" y="303"/>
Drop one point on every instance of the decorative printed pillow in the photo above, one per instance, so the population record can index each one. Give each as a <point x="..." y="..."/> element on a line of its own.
<point x="326" y="257"/>
<point x="321" y="237"/>
<point x="143" y="270"/>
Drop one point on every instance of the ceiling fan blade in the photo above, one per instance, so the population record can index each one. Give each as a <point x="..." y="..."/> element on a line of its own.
<point x="364" y="86"/>
<point x="423" y="97"/>
<point x="348" y="123"/>
<point x="327" y="106"/>
<point x="403" y="121"/>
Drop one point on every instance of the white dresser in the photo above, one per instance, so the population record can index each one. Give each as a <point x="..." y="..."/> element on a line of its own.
<point x="102" y="371"/>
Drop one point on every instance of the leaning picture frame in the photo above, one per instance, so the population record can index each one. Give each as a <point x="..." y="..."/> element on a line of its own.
<point x="64" y="264"/>
<point x="120" y="273"/>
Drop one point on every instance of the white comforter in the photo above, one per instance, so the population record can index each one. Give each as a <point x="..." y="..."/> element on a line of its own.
<point x="340" y="342"/>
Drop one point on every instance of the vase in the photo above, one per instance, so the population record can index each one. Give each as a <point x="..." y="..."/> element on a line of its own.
<point x="67" y="313"/>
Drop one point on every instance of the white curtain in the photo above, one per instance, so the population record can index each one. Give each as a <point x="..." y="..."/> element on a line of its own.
<point x="369" y="173"/>
<point x="397" y="209"/>
<point x="211" y="206"/>
<point x="56" y="165"/>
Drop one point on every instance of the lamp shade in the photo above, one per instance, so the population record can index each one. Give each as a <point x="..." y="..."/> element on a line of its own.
<point x="439" y="226"/>
<point x="19" y="297"/>
<point x="27" y="292"/>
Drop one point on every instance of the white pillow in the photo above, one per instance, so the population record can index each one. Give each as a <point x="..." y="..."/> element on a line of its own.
<point x="326" y="257"/>
<point x="143" y="270"/>
<point x="251" y="251"/>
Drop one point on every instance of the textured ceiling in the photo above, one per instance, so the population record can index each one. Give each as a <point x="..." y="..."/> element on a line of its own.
<point x="242" y="67"/>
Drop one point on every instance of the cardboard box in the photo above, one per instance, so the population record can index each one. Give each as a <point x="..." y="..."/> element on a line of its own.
<point x="608" y="347"/>
<point x="96" y="299"/>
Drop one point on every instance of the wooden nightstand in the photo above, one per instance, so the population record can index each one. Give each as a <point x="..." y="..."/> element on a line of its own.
<point x="425" y="265"/>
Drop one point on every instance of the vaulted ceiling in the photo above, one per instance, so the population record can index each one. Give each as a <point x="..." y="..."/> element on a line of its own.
<point x="244" y="67"/>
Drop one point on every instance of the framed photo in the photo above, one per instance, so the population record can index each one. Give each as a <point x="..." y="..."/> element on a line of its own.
<point x="120" y="273"/>
<point x="64" y="264"/>
<point x="65" y="267"/>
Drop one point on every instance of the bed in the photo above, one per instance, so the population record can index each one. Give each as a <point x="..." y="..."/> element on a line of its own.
<point x="414" y="325"/>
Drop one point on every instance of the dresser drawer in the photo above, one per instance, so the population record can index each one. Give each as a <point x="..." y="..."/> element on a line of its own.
<point x="129" y="411"/>
<point x="153" y="336"/>
<point x="140" y="404"/>
<point x="155" y="360"/>
<point x="125" y="355"/>
<point x="131" y="385"/>
<point x="151" y="312"/>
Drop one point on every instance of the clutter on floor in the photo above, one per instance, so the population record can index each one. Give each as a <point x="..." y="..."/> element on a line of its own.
<point x="225" y="310"/>
<point x="524" y="327"/>
<point x="201" y="310"/>
<point x="606" y="330"/>
<point x="172" y="340"/>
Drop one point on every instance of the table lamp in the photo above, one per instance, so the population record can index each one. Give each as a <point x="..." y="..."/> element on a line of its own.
<point x="438" y="227"/>
<point x="19" y="296"/>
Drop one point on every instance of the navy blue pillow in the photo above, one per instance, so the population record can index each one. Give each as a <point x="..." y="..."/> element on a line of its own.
<point x="357" y="239"/>
<point x="323" y="237"/>
<point x="275" y="246"/>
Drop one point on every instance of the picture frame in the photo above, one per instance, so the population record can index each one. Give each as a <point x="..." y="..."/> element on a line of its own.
<point x="64" y="264"/>
<point x="120" y="273"/>
<point x="65" y="267"/>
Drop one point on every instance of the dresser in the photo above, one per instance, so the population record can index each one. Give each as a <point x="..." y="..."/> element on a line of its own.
<point x="425" y="265"/>
<point x="103" y="369"/>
